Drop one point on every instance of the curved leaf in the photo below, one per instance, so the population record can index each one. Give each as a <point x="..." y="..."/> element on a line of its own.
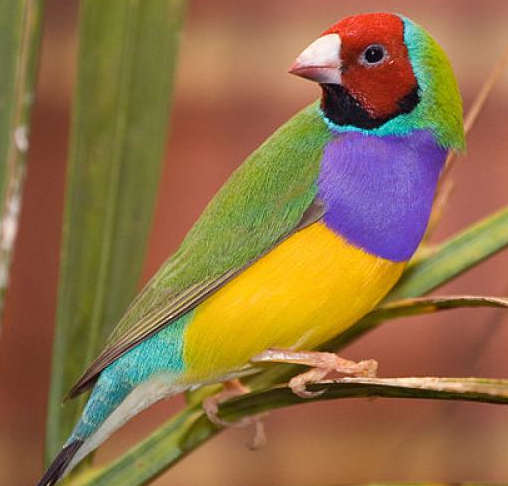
<point x="127" y="52"/>
<point x="410" y="307"/>
<point x="190" y="428"/>
<point x="454" y="257"/>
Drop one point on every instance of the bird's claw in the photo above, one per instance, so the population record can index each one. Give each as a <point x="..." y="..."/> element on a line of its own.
<point x="232" y="389"/>
<point x="298" y="383"/>
<point x="302" y="392"/>
<point x="367" y="368"/>
<point x="327" y="363"/>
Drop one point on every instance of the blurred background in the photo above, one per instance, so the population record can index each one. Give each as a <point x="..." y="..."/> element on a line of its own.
<point x="232" y="91"/>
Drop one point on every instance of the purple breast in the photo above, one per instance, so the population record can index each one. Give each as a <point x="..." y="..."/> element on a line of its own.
<point x="378" y="191"/>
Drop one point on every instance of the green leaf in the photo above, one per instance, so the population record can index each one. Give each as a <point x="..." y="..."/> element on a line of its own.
<point x="126" y="60"/>
<point x="20" y="33"/>
<point x="428" y="305"/>
<point x="180" y="435"/>
<point x="190" y="428"/>
<point x="411" y="307"/>
<point x="454" y="257"/>
<point x="468" y="389"/>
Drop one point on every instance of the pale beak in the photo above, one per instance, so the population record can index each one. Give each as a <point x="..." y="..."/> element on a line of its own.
<point x="320" y="62"/>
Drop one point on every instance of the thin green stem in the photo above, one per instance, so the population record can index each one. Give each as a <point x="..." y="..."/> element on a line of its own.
<point x="20" y="32"/>
<point x="190" y="428"/>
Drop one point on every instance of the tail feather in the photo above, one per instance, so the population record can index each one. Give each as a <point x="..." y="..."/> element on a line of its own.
<point x="140" y="398"/>
<point x="58" y="466"/>
<point x="123" y="389"/>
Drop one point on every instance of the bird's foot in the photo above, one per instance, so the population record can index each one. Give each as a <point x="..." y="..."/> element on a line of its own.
<point x="234" y="388"/>
<point x="321" y="363"/>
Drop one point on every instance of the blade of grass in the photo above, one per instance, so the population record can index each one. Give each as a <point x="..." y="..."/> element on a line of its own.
<point x="191" y="428"/>
<point x="20" y="32"/>
<point x="180" y="435"/>
<point x="427" y="305"/>
<point x="469" y="389"/>
<point x="411" y="307"/>
<point x="445" y="186"/>
<point x="126" y="60"/>
<point x="454" y="257"/>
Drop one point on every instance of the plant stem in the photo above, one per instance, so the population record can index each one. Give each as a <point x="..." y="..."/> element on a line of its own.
<point x="446" y="185"/>
<point x="20" y="32"/>
<point x="190" y="428"/>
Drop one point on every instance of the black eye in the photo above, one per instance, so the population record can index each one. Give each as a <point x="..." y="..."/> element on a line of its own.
<point x="374" y="54"/>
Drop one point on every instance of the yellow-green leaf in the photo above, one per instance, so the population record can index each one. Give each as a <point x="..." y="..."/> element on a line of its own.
<point x="427" y="305"/>
<point x="454" y="257"/>
<point x="126" y="60"/>
<point x="410" y="307"/>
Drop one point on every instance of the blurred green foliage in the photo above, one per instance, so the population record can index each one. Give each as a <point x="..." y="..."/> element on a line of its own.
<point x="126" y="60"/>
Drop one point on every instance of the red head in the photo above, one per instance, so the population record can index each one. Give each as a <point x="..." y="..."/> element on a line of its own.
<point x="362" y="63"/>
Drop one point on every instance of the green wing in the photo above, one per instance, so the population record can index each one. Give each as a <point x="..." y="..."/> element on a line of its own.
<point x="271" y="195"/>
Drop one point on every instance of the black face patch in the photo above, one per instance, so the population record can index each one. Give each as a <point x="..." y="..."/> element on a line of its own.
<point x="340" y="107"/>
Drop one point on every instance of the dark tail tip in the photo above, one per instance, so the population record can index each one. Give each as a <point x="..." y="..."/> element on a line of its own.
<point x="58" y="466"/>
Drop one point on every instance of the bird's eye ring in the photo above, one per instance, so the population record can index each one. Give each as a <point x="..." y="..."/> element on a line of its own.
<point x="373" y="55"/>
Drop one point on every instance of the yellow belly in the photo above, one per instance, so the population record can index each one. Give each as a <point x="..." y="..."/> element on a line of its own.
<point x="308" y="289"/>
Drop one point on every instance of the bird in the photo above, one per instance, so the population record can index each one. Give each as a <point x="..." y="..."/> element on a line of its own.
<point x="306" y="236"/>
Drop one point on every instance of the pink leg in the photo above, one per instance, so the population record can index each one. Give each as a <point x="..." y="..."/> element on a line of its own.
<point x="321" y="363"/>
<point x="234" y="388"/>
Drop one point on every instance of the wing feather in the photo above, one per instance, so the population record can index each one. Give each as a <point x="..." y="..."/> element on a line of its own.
<point x="272" y="195"/>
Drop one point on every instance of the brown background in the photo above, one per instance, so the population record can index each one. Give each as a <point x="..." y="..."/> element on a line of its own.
<point x="232" y="91"/>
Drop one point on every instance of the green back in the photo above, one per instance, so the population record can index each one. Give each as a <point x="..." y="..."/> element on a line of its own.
<point x="263" y="201"/>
